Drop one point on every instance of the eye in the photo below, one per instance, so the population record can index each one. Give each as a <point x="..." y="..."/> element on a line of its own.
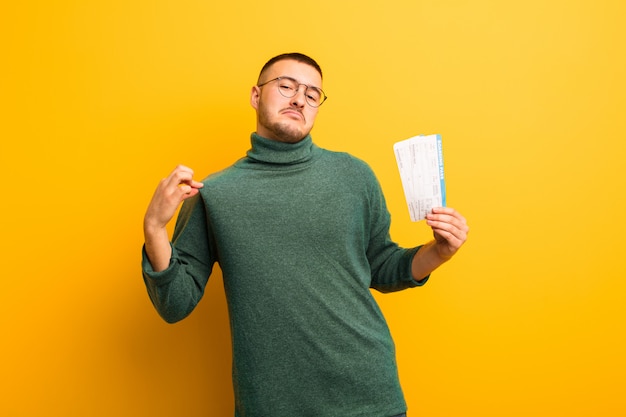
<point x="314" y="94"/>
<point x="286" y="86"/>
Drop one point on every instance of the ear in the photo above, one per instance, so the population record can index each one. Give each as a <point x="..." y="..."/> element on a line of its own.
<point x="255" y="96"/>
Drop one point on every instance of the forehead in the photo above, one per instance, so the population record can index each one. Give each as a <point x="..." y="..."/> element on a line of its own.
<point x="300" y="71"/>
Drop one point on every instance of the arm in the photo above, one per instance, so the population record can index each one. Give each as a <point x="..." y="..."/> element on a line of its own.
<point x="450" y="231"/>
<point x="391" y="265"/>
<point x="176" y="275"/>
<point x="170" y="193"/>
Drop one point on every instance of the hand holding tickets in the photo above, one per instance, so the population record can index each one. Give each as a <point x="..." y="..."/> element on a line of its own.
<point x="420" y="162"/>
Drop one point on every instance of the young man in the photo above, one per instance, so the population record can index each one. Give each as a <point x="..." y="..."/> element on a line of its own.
<point x="301" y="235"/>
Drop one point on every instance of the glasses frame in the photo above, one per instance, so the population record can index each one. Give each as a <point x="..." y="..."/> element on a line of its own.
<point x="322" y="101"/>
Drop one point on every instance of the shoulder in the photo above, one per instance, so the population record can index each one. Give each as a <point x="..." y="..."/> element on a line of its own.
<point x="345" y="159"/>
<point x="219" y="177"/>
<point x="348" y="164"/>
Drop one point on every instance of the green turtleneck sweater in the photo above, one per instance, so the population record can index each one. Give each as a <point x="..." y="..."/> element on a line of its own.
<point x="301" y="235"/>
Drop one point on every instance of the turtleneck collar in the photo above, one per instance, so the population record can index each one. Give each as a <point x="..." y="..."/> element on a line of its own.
<point x="279" y="153"/>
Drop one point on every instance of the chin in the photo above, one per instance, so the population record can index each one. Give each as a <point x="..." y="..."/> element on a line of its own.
<point x="287" y="134"/>
<point x="291" y="139"/>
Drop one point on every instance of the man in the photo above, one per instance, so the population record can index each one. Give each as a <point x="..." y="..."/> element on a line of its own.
<point x="301" y="235"/>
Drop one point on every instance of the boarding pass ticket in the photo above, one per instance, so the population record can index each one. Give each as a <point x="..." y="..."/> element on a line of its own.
<point x="420" y="162"/>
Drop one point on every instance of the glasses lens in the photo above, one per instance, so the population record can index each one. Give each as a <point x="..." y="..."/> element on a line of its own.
<point x="314" y="96"/>
<point x="289" y="87"/>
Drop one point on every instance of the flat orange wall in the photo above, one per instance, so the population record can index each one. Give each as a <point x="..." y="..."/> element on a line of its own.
<point x="100" y="99"/>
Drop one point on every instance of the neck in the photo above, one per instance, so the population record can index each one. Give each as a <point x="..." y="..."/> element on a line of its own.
<point x="277" y="152"/>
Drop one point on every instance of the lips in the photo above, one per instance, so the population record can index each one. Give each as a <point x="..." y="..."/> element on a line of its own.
<point x="293" y="113"/>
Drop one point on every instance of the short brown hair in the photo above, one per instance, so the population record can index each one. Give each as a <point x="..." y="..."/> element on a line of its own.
<point x="294" y="56"/>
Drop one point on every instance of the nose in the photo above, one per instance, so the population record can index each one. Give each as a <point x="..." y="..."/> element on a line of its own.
<point x="299" y="100"/>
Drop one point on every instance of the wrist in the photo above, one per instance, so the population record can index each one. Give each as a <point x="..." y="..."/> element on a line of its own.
<point x="153" y="229"/>
<point x="427" y="259"/>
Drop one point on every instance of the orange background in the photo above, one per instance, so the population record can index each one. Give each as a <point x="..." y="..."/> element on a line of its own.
<point x="102" y="99"/>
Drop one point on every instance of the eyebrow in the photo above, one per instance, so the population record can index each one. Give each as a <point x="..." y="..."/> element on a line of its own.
<point x="293" y="79"/>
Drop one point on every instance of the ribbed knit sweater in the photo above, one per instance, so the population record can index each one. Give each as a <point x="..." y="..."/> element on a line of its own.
<point x="301" y="235"/>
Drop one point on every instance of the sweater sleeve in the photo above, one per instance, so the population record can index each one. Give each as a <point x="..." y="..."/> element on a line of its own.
<point x="176" y="291"/>
<point x="390" y="263"/>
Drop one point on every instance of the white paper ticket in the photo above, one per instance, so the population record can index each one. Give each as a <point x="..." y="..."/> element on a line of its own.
<point x="420" y="162"/>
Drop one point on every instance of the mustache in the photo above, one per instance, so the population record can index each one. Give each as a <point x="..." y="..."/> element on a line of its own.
<point x="291" y="108"/>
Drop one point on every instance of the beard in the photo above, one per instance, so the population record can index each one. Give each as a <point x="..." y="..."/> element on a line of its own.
<point x="281" y="131"/>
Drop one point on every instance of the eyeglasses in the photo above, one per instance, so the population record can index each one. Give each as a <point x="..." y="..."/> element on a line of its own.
<point x="288" y="87"/>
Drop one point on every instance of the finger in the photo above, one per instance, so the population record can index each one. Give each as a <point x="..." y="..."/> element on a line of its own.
<point x="184" y="168"/>
<point x="190" y="184"/>
<point x="444" y="222"/>
<point x="187" y="192"/>
<point x="182" y="175"/>
<point x="448" y="211"/>
<point x="449" y="237"/>
<point x="185" y="175"/>
<point x="448" y="215"/>
<point x="443" y="210"/>
<point x="450" y="228"/>
<point x="448" y="231"/>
